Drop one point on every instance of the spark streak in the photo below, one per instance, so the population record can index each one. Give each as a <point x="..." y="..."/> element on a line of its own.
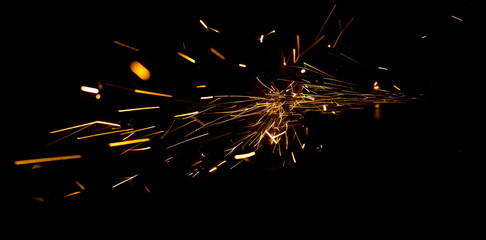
<point x="47" y="159"/>
<point x="127" y="142"/>
<point x="246" y="155"/>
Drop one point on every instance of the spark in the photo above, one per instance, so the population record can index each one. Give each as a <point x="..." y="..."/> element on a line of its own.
<point x="201" y="86"/>
<point x="127" y="46"/>
<point x="261" y="38"/>
<point x="217" y="53"/>
<point x="458" y="19"/>
<point x="124" y="181"/>
<point x="202" y="135"/>
<point x="138" y="109"/>
<point x="82" y="126"/>
<point x="127" y="142"/>
<point x="105" y="133"/>
<point x="90" y="89"/>
<point x="242" y="65"/>
<point x="383" y="68"/>
<point x="186" y="114"/>
<point x="327" y="19"/>
<point x="397" y="88"/>
<point x="204" y="25"/>
<point x="246" y="155"/>
<point x="186" y="57"/>
<point x="140" y="70"/>
<point x="293" y="157"/>
<point x="340" y="33"/>
<point x="213" y="169"/>
<point x="47" y="159"/>
<point x="152" y="93"/>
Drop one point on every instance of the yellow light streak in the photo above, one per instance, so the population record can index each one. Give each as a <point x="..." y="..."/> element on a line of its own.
<point x="187" y="114"/>
<point x="90" y="89"/>
<point x="138" y="109"/>
<point x="298" y="45"/>
<point x="80" y="185"/>
<point x="204" y="24"/>
<point x="261" y="38"/>
<point x="213" y="169"/>
<point x="246" y="155"/>
<point x="221" y="163"/>
<point x="293" y="157"/>
<point x="152" y="93"/>
<point x="105" y="133"/>
<point x="47" y="159"/>
<point x="397" y="88"/>
<point x="340" y="33"/>
<point x="127" y="142"/>
<point x="217" y="53"/>
<point x="207" y="97"/>
<point x="201" y="86"/>
<point x="85" y="124"/>
<point x="186" y="57"/>
<point x="271" y="137"/>
<point x="293" y="53"/>
<point x="137" y="130"/>
<point x="242" y="65"/>
<point x="140" y="70"/>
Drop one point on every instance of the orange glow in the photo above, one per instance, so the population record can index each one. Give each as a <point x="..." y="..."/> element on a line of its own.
<point x="141" y="71"/>
<point x="186" y="57"/>
<point x="47" y="159"/>
<point x="217" y="53"/>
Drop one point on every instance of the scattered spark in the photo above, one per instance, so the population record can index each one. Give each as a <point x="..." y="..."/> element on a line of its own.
<point x="397" y="88"/>
<point x="186" y="57"/>
<point x="424" y="36"/>
<point x="457" y="18"/>
<point x="327" y="19"/>
<point x="383" y="68"/>
<point x="124" y="181"/>
<point x="217" y="53"/>
<point x="140" y="70"/>
<point x="127" y="46"/>
<point x="105" y="133"/>
<point x="80" y="185"/>
<point x="127" y="142"/>
<point x="204" y="24"/>
<point x="242" y="65"/>
<point x="138" y="109"/>
<point x="340" y="33"/>
<point x="261" y="38"/>
<point x="186" y="114"/>
<point x="246" y="155"/>
<point x="207" y="97"/>
<point x="152" y="93"/>
<point x="72" y="194"/>
<point x="303" y="71"/>
<point x="90" y="89"/>
<point x="293" y="157"/>
<point x="213" y="169"/>
<point x="202" y="135"/>
<point x="201" y="86"/>
<point x="47" y="159"/>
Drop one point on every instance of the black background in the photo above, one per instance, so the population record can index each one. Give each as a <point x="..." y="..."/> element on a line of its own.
<point x="418" y="157"/>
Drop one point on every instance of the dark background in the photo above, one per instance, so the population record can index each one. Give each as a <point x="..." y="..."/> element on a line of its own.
<point x="405" y="159"/>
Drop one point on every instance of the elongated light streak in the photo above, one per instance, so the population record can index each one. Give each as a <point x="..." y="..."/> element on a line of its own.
<point x="458" y="19"/>
<point x="127" y="46"/>
<point x="105" y="133"/>
<point x="152" y="93"/>
<point x="187" y="114"/>
<point x="202" y="135"/>
<point x="204" y="24"/>
<point x="217" y="53"/>
<point x="127" y="142"/>
<point x="85" y="124"/>
<point x="186" y="57"/>
<point x="124" y="181"/>
<point x="138" y="109"/>
<point x="90" y="89"/>
<point x="47" y="159"/>
<point x="246" y="155"/>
